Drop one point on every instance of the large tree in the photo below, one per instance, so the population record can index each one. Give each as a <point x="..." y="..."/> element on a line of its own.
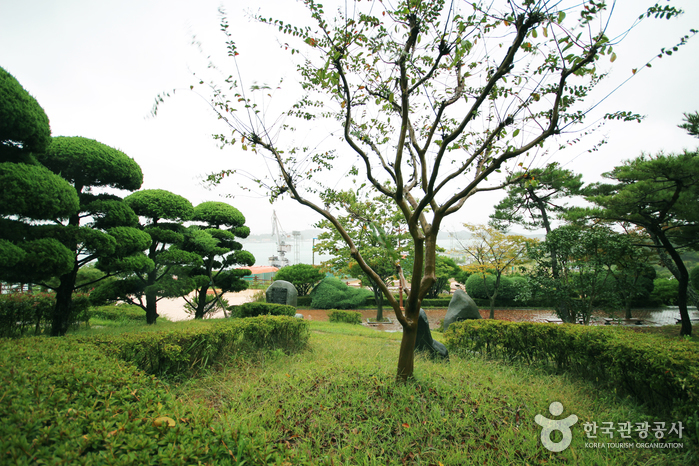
<point x="163" y="214"/>
<point x="536" y="198"/>
<point x="658" y="193"/>
<point x="31" y="194"/>
<point x="584" y="281"/>
<point x="104" y="226"/>
<point x="214" y="240"/>
<point x="303" y="276"/>
<point x="431" y="99"/>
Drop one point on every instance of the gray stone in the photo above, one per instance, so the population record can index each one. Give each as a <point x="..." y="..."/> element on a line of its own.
<point x="282" y="292"/>
<point x="461" y="307"/>
<point x="299" y="316"/>
<point x="424" y="341"/>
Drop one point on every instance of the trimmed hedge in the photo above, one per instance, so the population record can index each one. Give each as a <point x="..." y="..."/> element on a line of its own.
<point x="25" y="313"/>
<point x="66" y="402"/>
<point x="126" y="313"/>
<point x="261" y="309"/>
<point x="201" y="344"/>
<point x="345" y="317"/>
<point x="659" y="372"/>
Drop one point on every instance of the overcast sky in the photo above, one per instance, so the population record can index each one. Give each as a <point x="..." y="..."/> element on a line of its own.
<point x="96" y="67"/>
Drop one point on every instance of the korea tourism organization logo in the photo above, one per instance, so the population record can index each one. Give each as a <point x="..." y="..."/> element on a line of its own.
<point x="549" y="426"/>
<point x="602" y="434"/>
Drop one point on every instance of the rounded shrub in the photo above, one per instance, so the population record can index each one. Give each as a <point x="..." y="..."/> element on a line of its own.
<point x="332" y="293"/>
<point x="259" y="309"/>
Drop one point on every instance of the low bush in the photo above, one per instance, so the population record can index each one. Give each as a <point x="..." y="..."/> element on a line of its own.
<point x="65" y="402"/>
<point x="30" y="313"/>
<point x="122" y="313"/>
<point x="660" y="372"/>
<point x="346" y="317"/>
<point x="198" y="345"/>
<point x="255" y="309"/>
<point x="332" y="293"/>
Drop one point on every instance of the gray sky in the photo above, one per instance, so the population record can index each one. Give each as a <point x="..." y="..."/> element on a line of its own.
<point x="96" y="67"/>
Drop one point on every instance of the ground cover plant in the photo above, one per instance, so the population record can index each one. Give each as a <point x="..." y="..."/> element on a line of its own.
<point x="338" y="403"/>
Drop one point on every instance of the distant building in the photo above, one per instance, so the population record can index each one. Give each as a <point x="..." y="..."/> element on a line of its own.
<point x="260" y="272"/>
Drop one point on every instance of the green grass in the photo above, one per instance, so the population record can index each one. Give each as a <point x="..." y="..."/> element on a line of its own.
<point x="338" y="403"/>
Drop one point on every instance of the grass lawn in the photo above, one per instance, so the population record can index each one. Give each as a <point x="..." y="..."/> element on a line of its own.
<point x="337" y="403"/>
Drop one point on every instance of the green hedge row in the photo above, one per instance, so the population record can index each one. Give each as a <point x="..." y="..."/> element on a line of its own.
<point x="345" y="317"/>
<point x="66" y="402"/>
<point x="200" y="344"/>
<point x="30" y="313"/>
<point x="260" y="309"/>
<point x="662" y="373"/>
<point x="127" y="313"/>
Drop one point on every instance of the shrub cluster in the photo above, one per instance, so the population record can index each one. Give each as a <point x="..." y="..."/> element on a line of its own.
<point x="662" y="373"/>
<point x="260" y="309"/>
<point x="332" y="293"/>
<point x="23" y="313"/>
<point x="345" y="317"/>
<point x="201" y="344"/>
<point x="66" y="402"/>
<point x="123" y="313"/>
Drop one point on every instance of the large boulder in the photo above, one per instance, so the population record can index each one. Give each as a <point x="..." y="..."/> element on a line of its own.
<point x="282" y="292"/>
<point x="424" y="341"/>
<point x="461" y="307"/>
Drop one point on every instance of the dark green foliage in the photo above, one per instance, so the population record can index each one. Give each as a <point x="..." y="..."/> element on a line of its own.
<point x="660" y="372"/>
<point x="32" y="191"/>
<point x="259" y="309"/>
<point x="42" y="258"/>
<point x="477" y="288"/>
<point x="157" y="204"/>
<point x="665" y="291"/>
<point x="24" y="126"/>
<point x="691" y="124"/>
<point x="694" y="277"/>
<point x="345" y="317"/>
<point x="304" y="301"/>
<point x="219" y="214"/>
<point x="66" y="402"/>
<point x="532" y="201"/>
<point x="446" y="268"/>
<point x="30" y="313"/>
<point x="86" y="162"/>
<point x="332" y="293"/>
<point x="215" y="242"/>
<point x="303" y="276"/>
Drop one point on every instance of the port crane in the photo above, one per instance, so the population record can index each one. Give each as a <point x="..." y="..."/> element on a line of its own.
<point x="279" y="260"/>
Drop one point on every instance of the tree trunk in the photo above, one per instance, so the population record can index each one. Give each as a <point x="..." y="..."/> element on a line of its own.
<point x="492" y="307"/>
<point x="63" y="310"/>
<point x="378" y="297"/>
<point x="151" y="309"/>
<point x="201" y="302"/>
<point x="406" y="358"/>
<point x="683" y="280"/>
